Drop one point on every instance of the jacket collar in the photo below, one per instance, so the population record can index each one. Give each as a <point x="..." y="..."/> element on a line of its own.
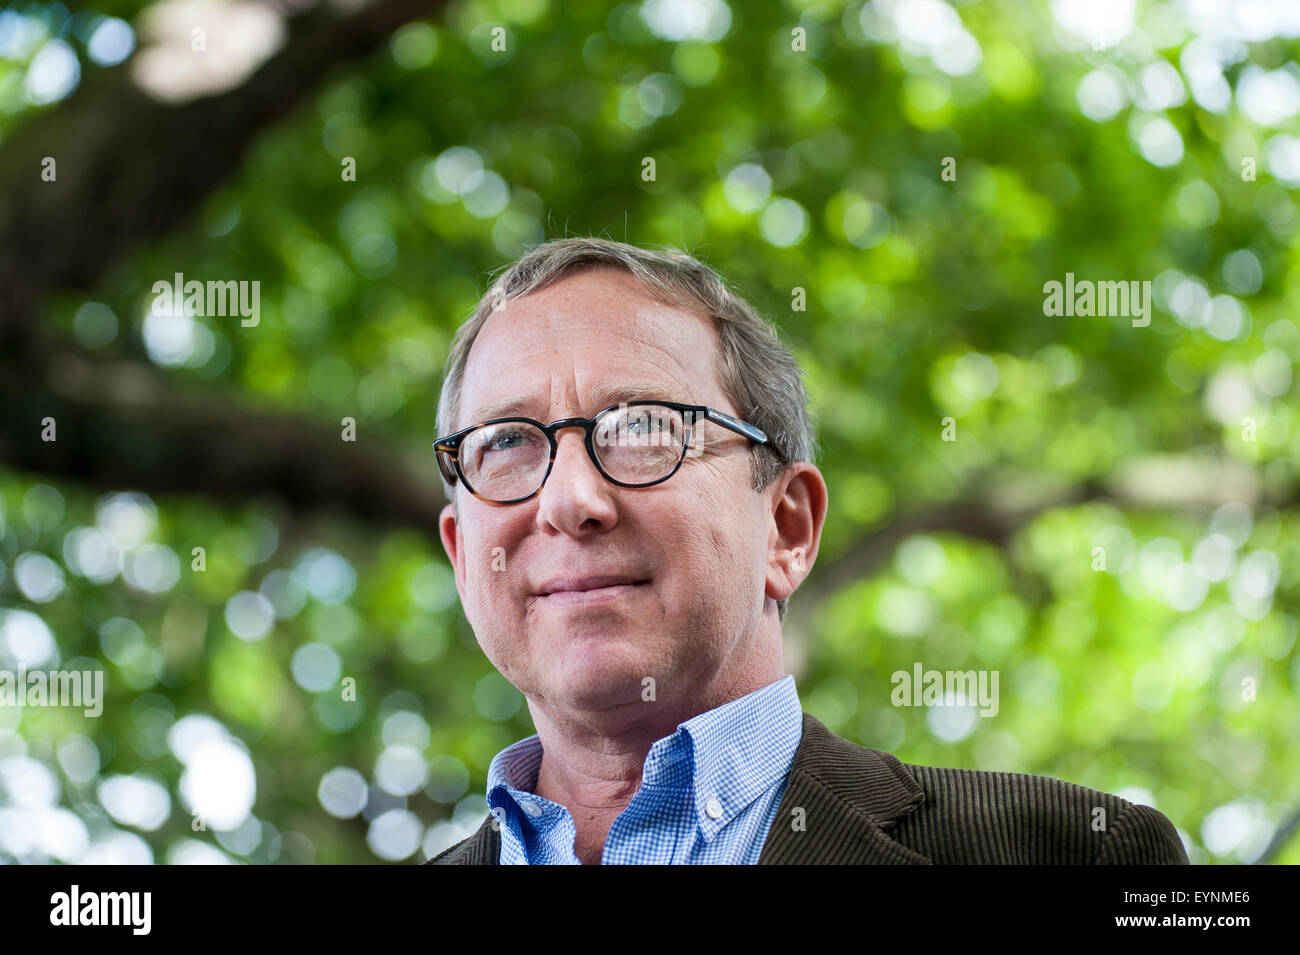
<point x="840" y="801"/>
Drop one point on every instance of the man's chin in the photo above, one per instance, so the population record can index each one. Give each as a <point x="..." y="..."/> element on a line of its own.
<point x="605" y="688"/>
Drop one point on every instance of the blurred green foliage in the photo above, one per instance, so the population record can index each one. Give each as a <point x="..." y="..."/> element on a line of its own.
<point x="1108" y="151"/>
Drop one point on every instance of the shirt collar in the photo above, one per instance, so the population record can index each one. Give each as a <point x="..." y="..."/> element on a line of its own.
<point x="741" y="749"/>
<point x="512" y="774"/>
<point x="737" y="751"/>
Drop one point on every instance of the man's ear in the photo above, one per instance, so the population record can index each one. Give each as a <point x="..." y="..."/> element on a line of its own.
<point x="452" y="543"/>
<point x="798" y="500"/>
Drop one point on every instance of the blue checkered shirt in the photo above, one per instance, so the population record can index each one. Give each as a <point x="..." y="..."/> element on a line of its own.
<point x="709" y="793"/>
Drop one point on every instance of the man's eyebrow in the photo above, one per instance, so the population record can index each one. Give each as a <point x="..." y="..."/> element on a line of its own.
<point x="604" y="397"/>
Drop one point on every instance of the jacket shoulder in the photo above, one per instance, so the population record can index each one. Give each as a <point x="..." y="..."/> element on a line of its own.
<point x="991" y="818"/>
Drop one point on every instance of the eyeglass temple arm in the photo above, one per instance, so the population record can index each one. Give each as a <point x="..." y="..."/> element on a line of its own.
<point x="735" y="424"/>
<point x="451" y="447"/>
<point x="451" y="443"/>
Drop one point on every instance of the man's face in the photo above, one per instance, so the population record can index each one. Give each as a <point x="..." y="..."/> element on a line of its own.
<point x="699" y="541"/>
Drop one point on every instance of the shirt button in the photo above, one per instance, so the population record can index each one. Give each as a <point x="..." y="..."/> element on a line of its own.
<point x="713" y="808"/>
<point x="532" y="809"/>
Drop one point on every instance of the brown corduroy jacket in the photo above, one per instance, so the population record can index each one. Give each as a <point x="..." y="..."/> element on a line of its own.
<point x="846" y="804"/>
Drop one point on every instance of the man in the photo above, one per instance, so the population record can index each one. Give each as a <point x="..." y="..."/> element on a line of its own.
<point x="626" y="566"/>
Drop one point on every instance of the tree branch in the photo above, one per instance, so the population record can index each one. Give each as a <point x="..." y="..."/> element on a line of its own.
<point x="125" y="425"/>
<point x="995" y="511"/>
<point x="130" y="168"/>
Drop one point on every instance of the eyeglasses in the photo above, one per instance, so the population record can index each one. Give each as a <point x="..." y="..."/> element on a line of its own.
<point x="637" y="444"/>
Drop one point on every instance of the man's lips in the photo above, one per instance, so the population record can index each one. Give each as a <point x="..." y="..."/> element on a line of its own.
<point x="594" y="590"/>
<point x="584" y="584"/>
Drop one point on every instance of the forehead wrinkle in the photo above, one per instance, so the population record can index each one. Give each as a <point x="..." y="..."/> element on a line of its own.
<point x="604" y="396"/>
<point x="646" y="323"/>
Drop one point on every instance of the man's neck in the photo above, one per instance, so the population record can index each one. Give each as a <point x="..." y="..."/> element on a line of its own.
<point x="595" y="786"/>
<point x="594" y="770"/>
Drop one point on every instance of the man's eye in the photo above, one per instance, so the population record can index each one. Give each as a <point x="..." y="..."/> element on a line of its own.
<point x="502" y="442"/>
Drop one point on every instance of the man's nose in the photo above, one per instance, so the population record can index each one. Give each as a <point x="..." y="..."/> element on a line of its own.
<point x="575" y="490"/>
<point x="572" y="460"/>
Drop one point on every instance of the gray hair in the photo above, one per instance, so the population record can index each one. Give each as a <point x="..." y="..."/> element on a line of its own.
<point x="759" y="374"/>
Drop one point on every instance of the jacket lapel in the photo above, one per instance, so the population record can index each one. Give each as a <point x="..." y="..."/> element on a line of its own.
<point x="482" y="848"/>
<point x="840" y="799"/>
